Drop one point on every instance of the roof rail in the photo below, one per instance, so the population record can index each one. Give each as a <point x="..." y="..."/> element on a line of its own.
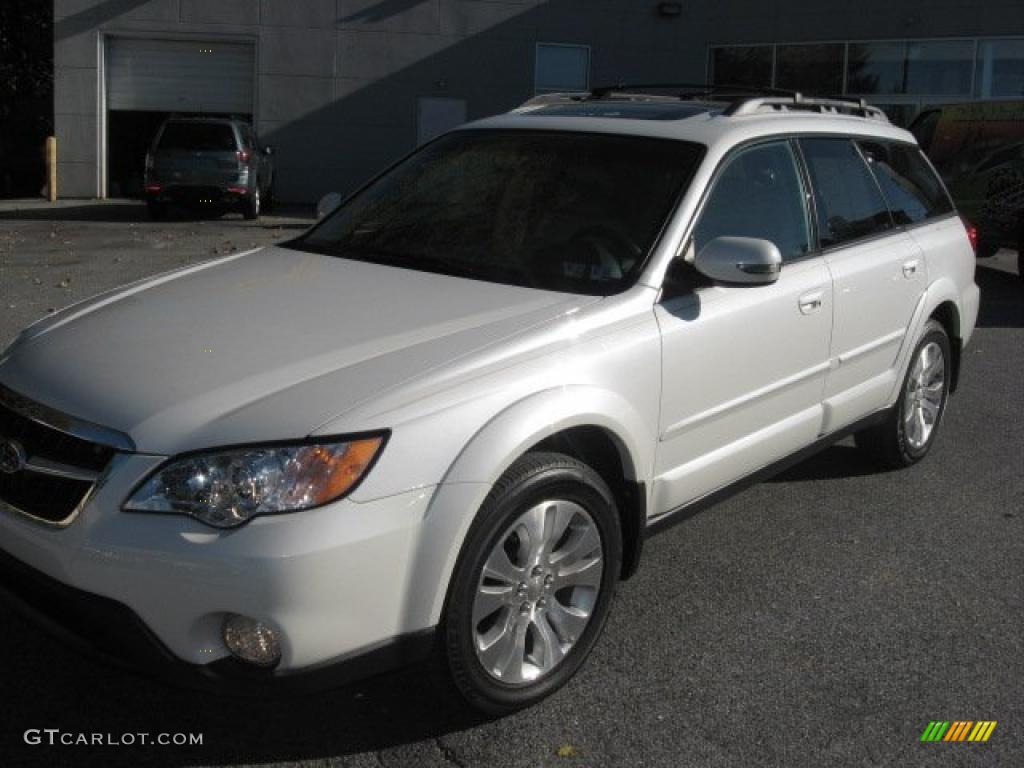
<point x="545" y="99"/>
<point x="797" y="102"/>
<point x="685" y="90"/>
<point x="643" y="92"/>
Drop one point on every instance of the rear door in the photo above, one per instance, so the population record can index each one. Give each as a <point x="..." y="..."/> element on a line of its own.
<point x="196" y="154"/>
<point x="878" y="273"/>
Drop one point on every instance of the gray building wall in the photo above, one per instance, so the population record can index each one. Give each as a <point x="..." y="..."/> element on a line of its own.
<point x="338" y="81"/>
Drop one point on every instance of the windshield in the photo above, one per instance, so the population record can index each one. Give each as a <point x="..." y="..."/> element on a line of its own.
<point x="548" y="209"/>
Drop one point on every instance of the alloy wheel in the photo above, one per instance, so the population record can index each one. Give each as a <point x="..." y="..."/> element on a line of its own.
<point x="922" y="404"/>
<point x="537" y="591"/>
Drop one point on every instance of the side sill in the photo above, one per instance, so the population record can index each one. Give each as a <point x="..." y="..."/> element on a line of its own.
<point x="668" y="519"/>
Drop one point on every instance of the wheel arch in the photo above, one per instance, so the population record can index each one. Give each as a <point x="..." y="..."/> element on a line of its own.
<point x="585" y="422"/>
<point x="947" y="314"/>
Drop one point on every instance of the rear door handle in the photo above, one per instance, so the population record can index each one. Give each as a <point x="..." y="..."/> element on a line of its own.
<point x="910" y="268"/>
<point x="810" y="302"/>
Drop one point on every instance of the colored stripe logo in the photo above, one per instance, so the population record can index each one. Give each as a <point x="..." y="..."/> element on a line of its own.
<point x="958" y="730"/>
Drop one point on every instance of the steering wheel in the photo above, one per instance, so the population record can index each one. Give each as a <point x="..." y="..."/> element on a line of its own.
<point x="613" y="252"/>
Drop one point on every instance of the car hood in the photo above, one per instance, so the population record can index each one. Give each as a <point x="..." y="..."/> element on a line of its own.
<point x="262" y="346"/>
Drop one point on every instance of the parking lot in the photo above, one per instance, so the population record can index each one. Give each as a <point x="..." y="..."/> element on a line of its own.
<point x="823" y="618"/>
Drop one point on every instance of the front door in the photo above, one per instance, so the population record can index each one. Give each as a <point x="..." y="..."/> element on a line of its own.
<point x="744" y="365"/>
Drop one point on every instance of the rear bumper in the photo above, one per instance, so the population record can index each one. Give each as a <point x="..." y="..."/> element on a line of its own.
<point x="111" y="632"/>
<point x="183" y="194"/>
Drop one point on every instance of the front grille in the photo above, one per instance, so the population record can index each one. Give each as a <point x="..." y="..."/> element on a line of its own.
<point x="47" y="496"/>
<point x="52" y="444"/>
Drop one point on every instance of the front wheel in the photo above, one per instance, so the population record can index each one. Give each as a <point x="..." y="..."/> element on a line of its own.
<point x="907" y="434"/>
<point x="534" y="583"/>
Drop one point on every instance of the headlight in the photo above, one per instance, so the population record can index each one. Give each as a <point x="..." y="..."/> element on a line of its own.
<point x="227" y="488"/>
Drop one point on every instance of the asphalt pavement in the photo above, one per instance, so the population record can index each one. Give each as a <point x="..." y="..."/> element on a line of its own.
<point x="821" y="619"/>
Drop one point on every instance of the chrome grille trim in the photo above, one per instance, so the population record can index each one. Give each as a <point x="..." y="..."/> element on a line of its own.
<point x="62" y="422"/>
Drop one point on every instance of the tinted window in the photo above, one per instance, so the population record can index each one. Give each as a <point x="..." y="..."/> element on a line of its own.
<point x="910" y="186"/>
<point x="553" y="210"/>
<point x="758" y="194"/>
<point x="848" y="201"/>
<point x="816" y="68"/>
<point x="742" y="65"/>
<point x="198" y="137"/>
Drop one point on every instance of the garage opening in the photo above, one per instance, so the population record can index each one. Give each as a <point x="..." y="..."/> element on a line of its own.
<point x="149" y="80"/>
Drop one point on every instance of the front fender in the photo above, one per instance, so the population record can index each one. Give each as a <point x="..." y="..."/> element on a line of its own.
<point x="490" y="452"/>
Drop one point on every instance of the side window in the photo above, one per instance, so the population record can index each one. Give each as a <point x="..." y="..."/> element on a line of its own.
<point x="758" y="194"/>
<point x="910" y="186"/>
<point x="846" y="195"/>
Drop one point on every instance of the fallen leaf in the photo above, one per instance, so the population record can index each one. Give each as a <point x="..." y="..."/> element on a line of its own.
<point x="566" y="750"/>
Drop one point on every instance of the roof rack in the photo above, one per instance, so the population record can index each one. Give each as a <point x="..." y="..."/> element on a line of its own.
<point x="797" y="102"/>
<point x="741" y="99"/>
<point x="683" y="90"/>
<point x="643" y="92"/>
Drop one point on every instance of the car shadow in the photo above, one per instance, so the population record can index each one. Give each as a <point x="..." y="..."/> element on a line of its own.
<point x="1002" y="298"/>
<point x="833" y="463"/>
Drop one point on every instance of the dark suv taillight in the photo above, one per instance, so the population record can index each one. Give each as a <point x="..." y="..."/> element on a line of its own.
<point x="244" y="156"/>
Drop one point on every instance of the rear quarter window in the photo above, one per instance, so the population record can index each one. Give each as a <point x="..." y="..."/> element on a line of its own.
<point x="198" y="137"/>
<point x="911" y="188"/>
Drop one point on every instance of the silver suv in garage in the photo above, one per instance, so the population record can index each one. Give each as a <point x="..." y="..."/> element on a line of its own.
<point x="216" y="164"/>
<point x="445" y="418"/>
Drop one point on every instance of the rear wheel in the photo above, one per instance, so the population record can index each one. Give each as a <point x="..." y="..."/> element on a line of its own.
<point x="252" y="206"/>
<point x="907" y="434"/>
<point x="534" y="583"/>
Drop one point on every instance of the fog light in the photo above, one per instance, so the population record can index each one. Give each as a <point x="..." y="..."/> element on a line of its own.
<point x="251" y="641"/>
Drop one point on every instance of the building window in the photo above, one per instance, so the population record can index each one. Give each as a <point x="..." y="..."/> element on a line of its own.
<point x="876" y="68"/>
<point x="941" y="67"/>
<point x="815" y="69"/>
<point x="562" y="67"/>
<point x="1000" y="71"/>
<point x="749" y="65"/>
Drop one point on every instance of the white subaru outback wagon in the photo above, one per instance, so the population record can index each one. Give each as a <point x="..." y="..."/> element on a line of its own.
<point x="444" y="419"/>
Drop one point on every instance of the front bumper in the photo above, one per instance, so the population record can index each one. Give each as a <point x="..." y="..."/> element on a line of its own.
<point x="153" y="590"/>
<point x="105" y="629"/>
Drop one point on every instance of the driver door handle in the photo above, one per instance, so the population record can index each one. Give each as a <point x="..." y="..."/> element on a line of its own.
<point x="811" y="302"/>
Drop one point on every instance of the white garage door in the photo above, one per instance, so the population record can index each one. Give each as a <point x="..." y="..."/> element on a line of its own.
<point x="179" y="76"/>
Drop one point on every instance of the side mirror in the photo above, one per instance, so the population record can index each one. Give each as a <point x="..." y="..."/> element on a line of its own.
<point x="741" y="260"/>
<point x="268" y="150"/>
<point x="328" y="204"/>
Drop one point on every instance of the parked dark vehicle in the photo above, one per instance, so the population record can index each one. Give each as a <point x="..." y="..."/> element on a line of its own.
<point x="214" y="163"/>
<point x="979" y="150"/>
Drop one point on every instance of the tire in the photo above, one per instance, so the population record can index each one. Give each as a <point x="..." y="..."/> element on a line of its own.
<point x="509" y="640"/>
<point x="252" y="206"/>
<point x="906" y="435"/>
<point x="157" y="211"/>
